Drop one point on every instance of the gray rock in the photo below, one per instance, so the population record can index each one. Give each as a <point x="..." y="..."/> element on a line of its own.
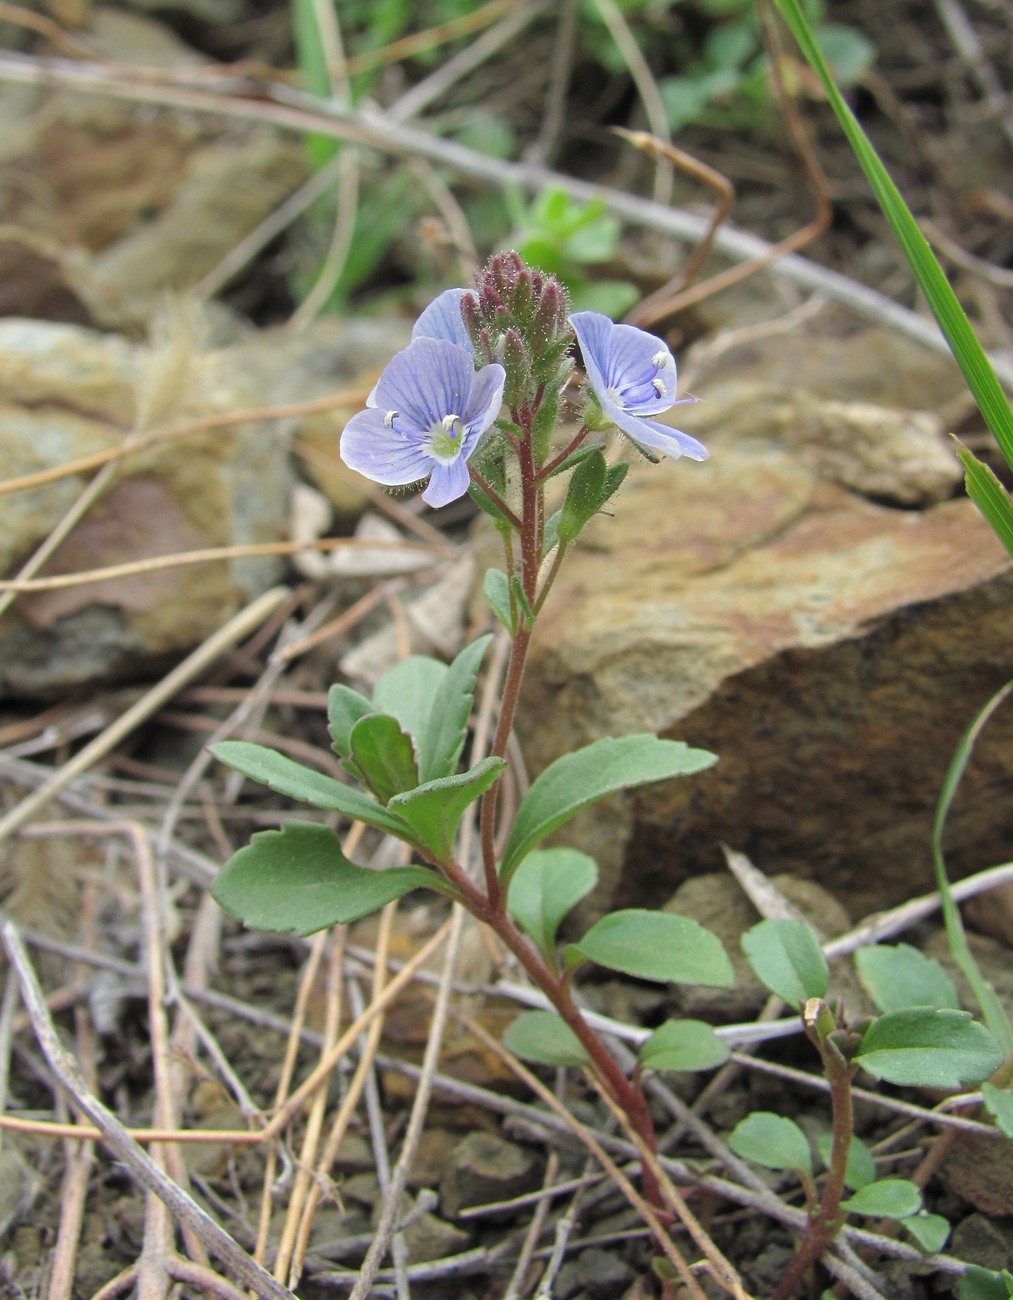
<point x="484" y="1169"/>
<point x="603" y="1274"/>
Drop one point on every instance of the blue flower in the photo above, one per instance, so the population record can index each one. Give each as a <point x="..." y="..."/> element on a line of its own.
<point x="632" y="374"/>
<point x="442" y="319"/>
<point x="424" y="418"/>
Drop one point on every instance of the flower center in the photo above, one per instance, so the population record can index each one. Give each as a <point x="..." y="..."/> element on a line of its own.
<point x="444" y="440"/>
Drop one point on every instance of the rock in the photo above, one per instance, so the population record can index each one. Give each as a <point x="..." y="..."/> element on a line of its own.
<point x="602" y="1273"/>
<point x="484" y="1169"/>
<point x="66" y="392"/>
<point x="829" y="648"/>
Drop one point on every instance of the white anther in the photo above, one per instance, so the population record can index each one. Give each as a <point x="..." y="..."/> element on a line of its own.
<point x="658" y="384"/>
<point x="390" y="417"/>
<point x="659" y="359"/>
<point x="449" y="421"/>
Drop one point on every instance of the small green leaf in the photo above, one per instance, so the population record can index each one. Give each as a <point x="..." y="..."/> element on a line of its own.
<point x="982" y="1284"/>
<point x="989" y="495"/>
<point x="929" y="1047"/>
<point x="771" y="1141"/>
<point x="931" y="1231"/>
<point x="344" y="709"/>
<point x="999" y="1103"/>
<point x="683" y="1045"/>
<point x="303" y="783"/>
<point x="589" y="774"/>
<point x="786" y="956"/>
<point x="384" y="754"/>
<point x="407" y="691"/>
<point x="545" y="1038"/>
<point x="446" y="728"/>
<point x="899" y="976"/>
<point x="496" y="589"/>
<point x="861" y="1168"/>
<point x="297" y="879"/>
<point x="522" y="602"/>
<point x="547" y="884"/>
<point x="433" y="811"/>
<point x="585" y="493"/>
<point x="657" y="946"/>
<point x="890" y="1198"/>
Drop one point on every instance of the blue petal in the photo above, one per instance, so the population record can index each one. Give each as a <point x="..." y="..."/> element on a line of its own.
<point x="484" y="400"/>
<point x="442" y="320"/>
<point x="659" y="437"/>
<point x="429" y="380"/>
<point x="382" y="454"/>
<point x="621" y="359"/>
<point x="447" y="483"/>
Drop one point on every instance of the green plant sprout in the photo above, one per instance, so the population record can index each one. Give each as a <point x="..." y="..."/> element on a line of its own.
<point x="921" y="1038"/>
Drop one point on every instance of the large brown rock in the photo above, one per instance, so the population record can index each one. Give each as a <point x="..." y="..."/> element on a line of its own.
<point x="831" y="648"/>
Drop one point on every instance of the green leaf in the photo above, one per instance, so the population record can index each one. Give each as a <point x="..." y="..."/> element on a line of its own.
<point x="683" y="1045"/>
<point x="547" y="884"/>
<point x="407" y="691"/>
<point x="657" y="946"/>
<point x="545" y="1038"/>
<point x="930" y="1231"/>
<point x="786" y="956"/>
<point x="968" y="352"/>
<point x="989" y="495"/>
<point x="982" y="1284"/>
<point x="297" y="879"/>
<point x="899" y="976"/>
<point x="303" y="783"/>
<point x="585" y="493"/>
<point x="929" y="1047"/>
<point x="771" y="1141"/>
<point x="384" y="754"/>
<point x="433" y="811"/>
<point x="344" y="709"/>
<point x="999" y="1103"/>
<point x="860" y="1169"/>
<point x="890" y="1198"/>
<point x="589" y="774"/>
<point x="496" y="590"/>
<point x="446" y="728"/>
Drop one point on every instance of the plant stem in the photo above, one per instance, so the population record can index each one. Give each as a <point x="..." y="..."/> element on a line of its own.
<point x="825" y="1220"/>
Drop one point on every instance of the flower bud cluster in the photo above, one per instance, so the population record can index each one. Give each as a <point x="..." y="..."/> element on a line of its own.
<point x="518" y="317"/>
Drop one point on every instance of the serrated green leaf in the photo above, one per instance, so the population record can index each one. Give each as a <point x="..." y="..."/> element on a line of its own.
<point x="861" y="1168"/>
<point x="930" y="1231"/>
<point x="771" y="1141"/>
<point x="407" y="690"/>
<point x="546" y="885"/>
<point x="589" y="774"/>
<point x="385" y="756"/>
<point x="297" y="879"/>
<point x="889" y="1198"/>
<point x="545" y="1038"/>
<point x="683" y="1045"/>
<point x="657" y="946"/>
<point x="897" y="976"/>
<point x="433" y="811"/>
<point x="496" y="590"/>
<point x="982" y="1284"/>
<point x="344" y="709"/>
<point x="929" y="1047"/>
<point x="999" y="1103"/>
<point x="303" y="783"/>
<point x="585" y="493"/>
<point x="442" y="739"/>
<point x="786" y="956"/>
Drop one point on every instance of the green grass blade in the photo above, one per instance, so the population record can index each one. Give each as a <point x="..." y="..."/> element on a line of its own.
<point x="991" y="1008"/>
<point x="989" y="495"/>
<point x="967" y="351"/>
